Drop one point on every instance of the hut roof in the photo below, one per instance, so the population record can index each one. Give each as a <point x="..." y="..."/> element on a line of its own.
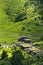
<point x="34" y="49"/>
<point x="25" y="45"/>
<point x="19" y="42"/>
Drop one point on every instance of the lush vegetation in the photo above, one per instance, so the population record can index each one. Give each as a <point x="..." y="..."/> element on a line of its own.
<point x="21" y="17"/>
<point x="20" y="57"/>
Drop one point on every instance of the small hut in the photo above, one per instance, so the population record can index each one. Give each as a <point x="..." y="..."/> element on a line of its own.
<point x="24" y="39"/>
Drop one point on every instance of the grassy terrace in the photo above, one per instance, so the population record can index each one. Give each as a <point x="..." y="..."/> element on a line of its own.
<point x="12" y="26"/>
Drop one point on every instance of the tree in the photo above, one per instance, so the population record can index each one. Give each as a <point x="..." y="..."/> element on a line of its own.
<point x="14" y="10"/>
<point x="4" y="55"/>
<point x="17" y="58"/>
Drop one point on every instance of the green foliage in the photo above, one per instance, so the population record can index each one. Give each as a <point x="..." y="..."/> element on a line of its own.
<point x="4" y="62"/>
<point x="21" y="18"/>
<point x="20" y="57"/>
<point x="14" y="8"/>
<point x="17" y="18"/>
<point x="4" y="55"/>
<point x="17" y="58"/>
<point x="41" y="1"/>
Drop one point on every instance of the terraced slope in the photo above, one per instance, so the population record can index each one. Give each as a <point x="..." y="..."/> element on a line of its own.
<point x="21" y="18"/>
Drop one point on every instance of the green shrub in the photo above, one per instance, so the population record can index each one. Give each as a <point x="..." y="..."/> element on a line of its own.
<point x="17" y="58"/>
<point x="4" y="55"/>
<point x="4" y="62"/>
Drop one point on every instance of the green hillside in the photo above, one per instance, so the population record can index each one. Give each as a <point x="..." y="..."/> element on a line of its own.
<point x="21" y="18"/>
